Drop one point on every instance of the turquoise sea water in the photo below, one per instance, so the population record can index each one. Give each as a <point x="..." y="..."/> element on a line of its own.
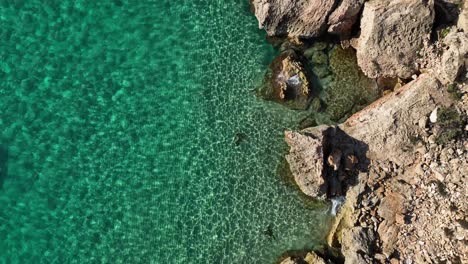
<point x="117" y="136"/>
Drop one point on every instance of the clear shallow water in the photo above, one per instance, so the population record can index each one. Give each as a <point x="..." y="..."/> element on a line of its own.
<point x="119" y="117"/>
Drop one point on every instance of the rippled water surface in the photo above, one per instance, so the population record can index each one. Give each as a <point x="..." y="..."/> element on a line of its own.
<point x="129" y="133"/>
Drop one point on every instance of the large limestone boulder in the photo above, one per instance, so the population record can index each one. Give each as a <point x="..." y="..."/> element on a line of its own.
<point x="392" y="35"/>
<point x="385" y="124"/>
<point x="305" y="18"/>
<point x="306" y="161"/>
<point x="293" y="18"/>
<point x="287" y="81"/>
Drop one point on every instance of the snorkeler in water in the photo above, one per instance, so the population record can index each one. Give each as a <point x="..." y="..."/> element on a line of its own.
<point x="269" y="232"/>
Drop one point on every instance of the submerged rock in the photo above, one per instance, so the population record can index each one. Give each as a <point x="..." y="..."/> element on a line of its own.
<point x="392" y="34"/>
<point x="347" y="90"/>
<point x="287" y="81"/>
<point x="293" y="18"/>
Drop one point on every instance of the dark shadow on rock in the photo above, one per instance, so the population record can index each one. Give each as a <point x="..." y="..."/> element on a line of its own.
<point x="446" y="13"/>
<point x="344" y="158"/>
<point x="3" y="164"/>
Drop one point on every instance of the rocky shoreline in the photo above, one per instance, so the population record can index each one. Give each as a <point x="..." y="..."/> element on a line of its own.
<point x="401" y="162"/>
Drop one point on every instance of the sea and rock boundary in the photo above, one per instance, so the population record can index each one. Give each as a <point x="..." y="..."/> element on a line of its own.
<point x="401" y="162"/>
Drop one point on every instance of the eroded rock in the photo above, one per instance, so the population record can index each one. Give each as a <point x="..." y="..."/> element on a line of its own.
<point x="315" y="160"/>
<point x="306" y="19"/>
<point x="454" y="59"/>
<point x="375" y="216"/>
<point x="356" y="240"/>
<point x="390" y="210"/>
<point x="288" y="81"/>
<point x="344" y="17"/>
<point x="385" y="124"/>
<point x="392" y="34"/>
<point x="306" y="162"/>
<point x="293" y="18"/>
<point x="463" y="18"/>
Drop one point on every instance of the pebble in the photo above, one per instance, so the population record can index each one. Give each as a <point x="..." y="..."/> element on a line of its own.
<point x="438" y="175"/>
<point x="433" y="116"/>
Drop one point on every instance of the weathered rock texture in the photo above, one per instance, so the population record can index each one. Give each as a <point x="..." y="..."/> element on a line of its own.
<point x="309" y="258"/>
<point x="402" y="161"/>
<point x="447" y="58"/>
<point x="305" y="18"/>
<point x="384" y="124"/>
<point x="407" y="207"/>
<point x="305" y="158"/>
<point x="293" y="18"/>
<point x="392" y="34"/>
<point x="288" y="81"/>
<point x="463" y="18"/>
<point x="344" y="16"/>
<point x="317" y="160"/>
<point x="454" y="59"/>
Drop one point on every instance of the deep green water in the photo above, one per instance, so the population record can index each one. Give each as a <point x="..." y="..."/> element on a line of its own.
<point x="116" y="131"/>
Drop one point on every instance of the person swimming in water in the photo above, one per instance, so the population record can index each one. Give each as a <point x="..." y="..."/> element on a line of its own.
<point x="269" y="232"/>
<point x="239" y="138"/>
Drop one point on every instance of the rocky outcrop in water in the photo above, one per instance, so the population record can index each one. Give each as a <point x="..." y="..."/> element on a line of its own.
<point x="305" y="160"/>
<point x="323" y="160"/>
<point x="288" y="81"/>
<point x="306" y="19"/>
<point x="392" y="34"/>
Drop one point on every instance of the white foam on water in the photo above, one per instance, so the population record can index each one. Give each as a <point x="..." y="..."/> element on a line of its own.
<point x="337" y="202"/>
